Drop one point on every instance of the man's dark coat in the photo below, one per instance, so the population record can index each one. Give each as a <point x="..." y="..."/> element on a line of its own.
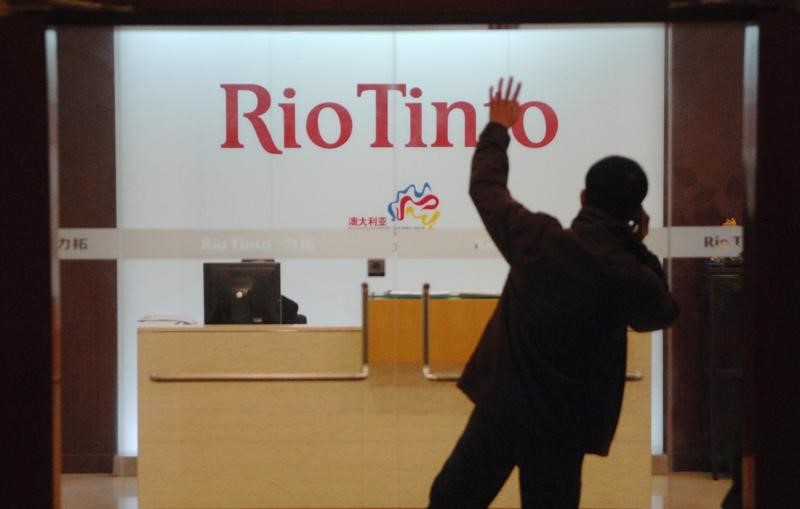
<point x="552" y="357"/>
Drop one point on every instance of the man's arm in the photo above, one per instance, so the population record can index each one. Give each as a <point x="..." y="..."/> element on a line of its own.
<point x="506" y="220"/>
<point x="653" y="307"/>
<point x="652" y="304"/>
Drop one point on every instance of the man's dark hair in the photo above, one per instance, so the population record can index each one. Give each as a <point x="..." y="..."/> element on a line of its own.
<point x="616" y="185"/>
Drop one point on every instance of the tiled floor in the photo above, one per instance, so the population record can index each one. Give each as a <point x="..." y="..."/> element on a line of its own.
<point x="689" y="490"/>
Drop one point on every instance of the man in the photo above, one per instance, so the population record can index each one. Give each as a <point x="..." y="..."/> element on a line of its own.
<point x="548" y="374"/>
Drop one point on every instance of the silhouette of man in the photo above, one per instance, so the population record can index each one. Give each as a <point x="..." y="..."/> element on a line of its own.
<point x="548" y="374"/>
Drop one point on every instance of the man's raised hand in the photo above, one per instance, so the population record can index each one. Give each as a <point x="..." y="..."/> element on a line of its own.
<point x="504" y="108"/>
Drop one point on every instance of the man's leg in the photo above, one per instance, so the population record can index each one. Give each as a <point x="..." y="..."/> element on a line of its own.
<point x="549" y="475"/>
<point x="478" y="466"/>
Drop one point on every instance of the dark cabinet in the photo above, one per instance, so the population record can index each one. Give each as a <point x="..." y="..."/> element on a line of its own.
<point x="723" y="356"/>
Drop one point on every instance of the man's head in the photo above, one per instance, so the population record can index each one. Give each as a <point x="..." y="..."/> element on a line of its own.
<point x="616" y="185"/>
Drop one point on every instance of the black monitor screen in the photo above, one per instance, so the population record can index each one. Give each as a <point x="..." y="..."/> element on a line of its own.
<point x="247" y="292"/>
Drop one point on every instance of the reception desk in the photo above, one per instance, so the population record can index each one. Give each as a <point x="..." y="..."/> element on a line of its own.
<point x="260" y="416"/>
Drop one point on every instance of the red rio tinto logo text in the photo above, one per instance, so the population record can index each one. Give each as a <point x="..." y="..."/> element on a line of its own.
<point x="378" y="94"/>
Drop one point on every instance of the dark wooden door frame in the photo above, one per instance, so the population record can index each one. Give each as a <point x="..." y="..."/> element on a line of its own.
<point x="771" y="235"/>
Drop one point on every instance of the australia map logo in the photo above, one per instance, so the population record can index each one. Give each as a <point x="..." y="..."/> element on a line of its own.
<point x="415" y="206"/>
<point x="412" y="208"/>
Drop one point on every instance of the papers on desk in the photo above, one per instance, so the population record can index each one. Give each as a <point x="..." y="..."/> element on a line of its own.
<point x="399" y="293"/>
<point x="461" y="294"/>
<point x="165" y="320"/>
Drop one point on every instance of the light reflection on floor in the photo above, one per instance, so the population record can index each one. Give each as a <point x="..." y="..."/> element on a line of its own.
<point x="685" y="490"/>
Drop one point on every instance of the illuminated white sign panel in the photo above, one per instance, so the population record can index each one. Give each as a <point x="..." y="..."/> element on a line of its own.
<point x="252" y="128"/>
<point x="313" y="145"/>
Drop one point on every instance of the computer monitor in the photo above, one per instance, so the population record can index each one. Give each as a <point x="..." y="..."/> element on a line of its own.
<point x="247" y="292"/>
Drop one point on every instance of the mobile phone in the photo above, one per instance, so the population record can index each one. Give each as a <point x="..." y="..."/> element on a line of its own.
<point x="635" y="223"/>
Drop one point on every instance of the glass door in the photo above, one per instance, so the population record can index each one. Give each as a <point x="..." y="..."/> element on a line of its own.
<point x="342" y="155"/>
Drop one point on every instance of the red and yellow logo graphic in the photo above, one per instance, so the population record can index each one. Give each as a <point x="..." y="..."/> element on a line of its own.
<point x="418" y="205"/>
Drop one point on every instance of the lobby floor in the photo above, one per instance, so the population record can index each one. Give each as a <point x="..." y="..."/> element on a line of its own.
<point x="684" y="490"/>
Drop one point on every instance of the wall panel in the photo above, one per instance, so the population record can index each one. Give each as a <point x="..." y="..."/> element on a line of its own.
<point x="87" y="191"/>
<point x="707" y="186"/>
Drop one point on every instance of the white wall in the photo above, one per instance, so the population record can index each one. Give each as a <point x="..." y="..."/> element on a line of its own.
<point x="605" y="84"/>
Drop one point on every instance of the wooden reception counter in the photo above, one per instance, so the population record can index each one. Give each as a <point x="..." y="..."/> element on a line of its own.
<point x="260" y="416"/>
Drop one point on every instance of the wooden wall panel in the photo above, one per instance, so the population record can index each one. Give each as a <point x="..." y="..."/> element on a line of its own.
<point x="707" y="183"/>
<point x="86" y="128"/>
<point x="89" y="372"/>
<point x="87" y="192"/>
